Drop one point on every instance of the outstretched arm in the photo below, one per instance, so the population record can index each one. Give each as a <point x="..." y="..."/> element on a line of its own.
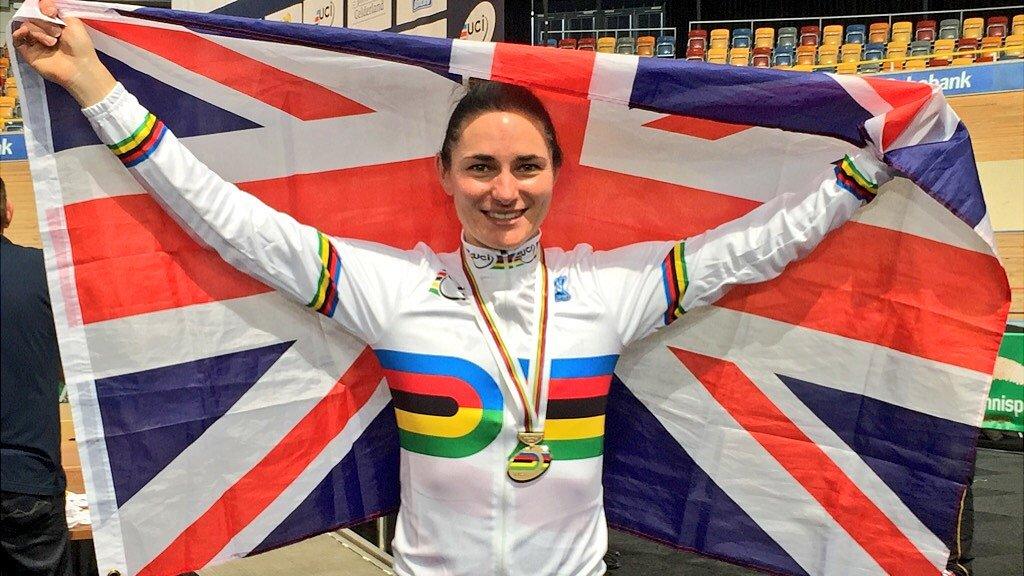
<point x="650" y="285"/>
<point x="269" y="245"/>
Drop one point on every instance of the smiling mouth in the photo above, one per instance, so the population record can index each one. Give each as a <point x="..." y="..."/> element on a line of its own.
<point x="504" y="216"/>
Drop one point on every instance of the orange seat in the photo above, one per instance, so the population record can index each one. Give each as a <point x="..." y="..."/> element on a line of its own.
<point x="645" y="46"/>
<point x="990" y="46"/>
<point x="806" y="55"/>
<point x="878" y="33"/>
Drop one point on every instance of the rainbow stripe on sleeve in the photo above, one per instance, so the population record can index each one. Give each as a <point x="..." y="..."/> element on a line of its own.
<point x="326" y="299"/>
<point x="674" y="279"/>
<point x="850" y="179"/>
<point x="141" y="143"/>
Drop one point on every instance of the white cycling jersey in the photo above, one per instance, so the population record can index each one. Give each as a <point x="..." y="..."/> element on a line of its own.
<point x="457" y="412"/>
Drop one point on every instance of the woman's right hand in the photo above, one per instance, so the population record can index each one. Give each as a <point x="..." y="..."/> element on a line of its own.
<point x="64" y="56"/>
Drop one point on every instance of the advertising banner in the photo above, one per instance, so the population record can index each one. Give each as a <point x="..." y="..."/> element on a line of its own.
<point x="1005" y="409"/>
<point x="466" y="19"/>
<point x="976" y="79"/>
<point x="12" y="146"/>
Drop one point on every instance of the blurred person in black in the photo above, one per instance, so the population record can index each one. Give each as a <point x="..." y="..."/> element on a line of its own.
<point x="33" y="527"/>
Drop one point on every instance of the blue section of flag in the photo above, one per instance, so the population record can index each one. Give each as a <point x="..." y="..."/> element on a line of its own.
<point x="363" y="485"/>
<point x="653" y="488"/>
<point x="947" y="172"/>
<point x="794" y="101"/>
<point x="167" y="409"/>
<point x="432" y="53"/>
<point x="924" y="459"/>
<point x="182" y="113"/>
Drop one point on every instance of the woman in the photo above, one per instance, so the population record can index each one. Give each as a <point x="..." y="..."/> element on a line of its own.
<point x="506" y="479"/>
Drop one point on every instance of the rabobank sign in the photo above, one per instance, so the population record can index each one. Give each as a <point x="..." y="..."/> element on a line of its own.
<point x="12" y="146"/>
<point x="977" y="79"/>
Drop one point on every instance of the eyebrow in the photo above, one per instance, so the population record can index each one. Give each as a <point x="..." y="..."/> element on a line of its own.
<point x="523" y="158"/>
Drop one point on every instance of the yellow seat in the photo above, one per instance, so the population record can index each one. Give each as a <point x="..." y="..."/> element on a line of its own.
<point x="896" y="52"/>
<point x="973" y="28"/>
<point x="764" y="38"/>
<point x="805" y="55"/>
<point x="850" y="53"/>
<point x="878" y="33"/>
<point x="828" y="55"/>
<point x="606" y="45"/>
<point x="718" y="56"/>
<point x="1014" y="45"/>
<point x="12" y="91"/>
<point x="803" y="67"/>
<point x="902" y="32"/>
<point x="832" y="35"/>
<point x="943" y="47"/>
<point x="1017" y="26"/>
<point x="915" y="64"/>
<point x="847" y="68"/>
<point x="739" y="56"/>
<point x="963" y="60"/>
<point x="719" y="38"/>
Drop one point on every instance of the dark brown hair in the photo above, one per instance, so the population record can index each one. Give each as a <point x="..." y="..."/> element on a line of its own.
<point x="488" y="96"/>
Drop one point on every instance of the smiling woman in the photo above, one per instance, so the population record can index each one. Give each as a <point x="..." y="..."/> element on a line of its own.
<point x="499" y="354"/>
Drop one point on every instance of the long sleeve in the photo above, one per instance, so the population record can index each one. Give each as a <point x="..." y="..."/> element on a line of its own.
<point x="318" y="271"/>
<point x="649" y="285"/>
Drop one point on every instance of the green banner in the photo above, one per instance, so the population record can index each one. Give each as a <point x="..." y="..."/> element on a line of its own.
<point x="1006" y="399"/>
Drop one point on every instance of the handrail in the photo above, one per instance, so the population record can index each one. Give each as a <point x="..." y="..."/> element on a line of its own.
<point x="951" y="55"/>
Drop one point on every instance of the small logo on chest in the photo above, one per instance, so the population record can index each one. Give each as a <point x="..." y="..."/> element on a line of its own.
<point x="446" y="286"/>
<point x="561" y="294"/>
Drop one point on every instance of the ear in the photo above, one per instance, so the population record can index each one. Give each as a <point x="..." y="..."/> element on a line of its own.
<point x="443" y="175"/>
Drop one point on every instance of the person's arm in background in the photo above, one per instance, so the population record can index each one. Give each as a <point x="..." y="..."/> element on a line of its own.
<point x="756" y="247"/>
<point x="269" y="245"/>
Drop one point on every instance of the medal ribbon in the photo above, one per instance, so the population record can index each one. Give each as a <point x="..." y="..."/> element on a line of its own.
<point x="531" y="409"/>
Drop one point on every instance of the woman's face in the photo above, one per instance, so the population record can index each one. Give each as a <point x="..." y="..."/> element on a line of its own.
<point x="500" y="179"/>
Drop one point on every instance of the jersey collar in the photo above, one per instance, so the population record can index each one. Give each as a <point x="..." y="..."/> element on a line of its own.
<point x="490" y="259"/>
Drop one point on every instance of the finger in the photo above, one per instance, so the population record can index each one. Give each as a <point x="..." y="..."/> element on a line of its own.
<point x="42" y="37"/>
<point x="48" y="7"/>
<point x="50" y="28"/>
<point x="21" y="36"/>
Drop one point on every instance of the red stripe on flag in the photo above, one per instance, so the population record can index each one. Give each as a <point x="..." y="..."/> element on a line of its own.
<point x="287" y="92"/>
<point x="198" y="544"/>
<point x="893" y="289"/>
<point x="573" y="388"/>
<point x="556" y="70"/>
<point x="808" y="464"/>
<point x="697" y="127"/>
<point x="432" y="385"/>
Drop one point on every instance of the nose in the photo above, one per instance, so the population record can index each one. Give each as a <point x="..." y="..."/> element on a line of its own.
<point x="505" y="188"/>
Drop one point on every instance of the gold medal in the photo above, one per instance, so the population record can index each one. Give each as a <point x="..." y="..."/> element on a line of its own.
<point x="530" y="462"/>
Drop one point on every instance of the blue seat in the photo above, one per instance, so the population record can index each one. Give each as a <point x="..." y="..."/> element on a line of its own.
<point x="783" y="56"/>
<point x="741" y="37"/>
<point x="873" y="52"/>
<point x="856" y="34"/>
<point x="552" y="42"/>
<point x="665" y="47"/>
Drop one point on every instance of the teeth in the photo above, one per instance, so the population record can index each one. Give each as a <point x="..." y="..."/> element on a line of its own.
<point x="504" y="215"/>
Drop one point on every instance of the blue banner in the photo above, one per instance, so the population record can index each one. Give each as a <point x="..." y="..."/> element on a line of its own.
<point x="12" y="146"/>
<point x="976" y="79"/>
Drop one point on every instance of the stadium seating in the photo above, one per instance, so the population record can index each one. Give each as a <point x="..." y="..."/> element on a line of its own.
<point x="764" y="38"/>
<point x="586" y="43"/>
<point x="783" y="57"/>
<point x="918" y="64"/>
<point x="973" y="28"/>
<point x="855" y="34"/>
<point x="990" y="46"/>
<point x="942" y="52"/>
<point x="697" y="39"/>
<point x="567" y="43"/>
<point x="718" y="55"/>
<point x="902" y="32"/>
<point x="832" y="35"/>
<point x="625" y="45"/>
<point x="1018" y="25"/>
<point x="925" y="30"/>
<point x="850" y="52"/>
<point x="694" y="54"/>
<point x="949" y="29"/>
<point x="828" y="55"/>
<point x="786" y="37"/>
<point x="870" y="60"/>
<point x="809" y="36"/>
<point x="606" y="45"/>
<point x="741" y="38"/>
<point x="720" y="38"/>
<point x="1014" y="47"/>
<point x="739" y="56"/>
<point x="896" y="52"/>
<point x="847" y="67"/>
<point x="761" y="57"/>
<point x="996" y="26"/>
<point x="645" y="46"/>
<point x="665" y="47"/>
<point x="878" y="33"/>
<point x="805" y="55"/>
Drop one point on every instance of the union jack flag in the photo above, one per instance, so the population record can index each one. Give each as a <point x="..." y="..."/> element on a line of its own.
<point x="822" y="423"/>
